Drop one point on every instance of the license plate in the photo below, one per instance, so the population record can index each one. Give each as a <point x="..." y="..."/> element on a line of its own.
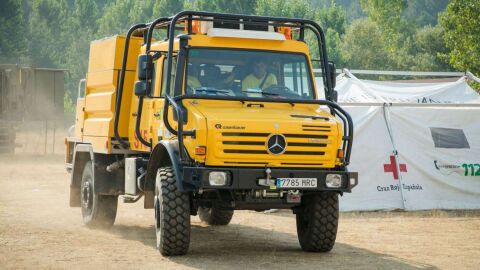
<point x="296" y="182"/>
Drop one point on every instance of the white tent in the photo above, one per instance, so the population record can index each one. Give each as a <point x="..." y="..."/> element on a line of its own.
<point x="416" y="145"/>
<point x="353" y="90"/>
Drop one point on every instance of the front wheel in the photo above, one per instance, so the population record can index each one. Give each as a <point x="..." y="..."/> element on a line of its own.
<point x="172" y="214"/>
<point x="317" y="222"/>
<point x="98" y="211"/>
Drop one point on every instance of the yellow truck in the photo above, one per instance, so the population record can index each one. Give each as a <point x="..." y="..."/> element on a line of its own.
<point x="219" y="114"/>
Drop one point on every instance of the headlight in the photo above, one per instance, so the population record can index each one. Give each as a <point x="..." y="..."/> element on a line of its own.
<point x="218" y="178"/>
<point x="333" y="180"/>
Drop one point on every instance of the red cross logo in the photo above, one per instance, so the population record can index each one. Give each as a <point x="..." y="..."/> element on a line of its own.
<point x="392" y="167"/>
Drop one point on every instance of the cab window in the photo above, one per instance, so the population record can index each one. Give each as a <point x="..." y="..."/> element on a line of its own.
<point x="164" y="77"/>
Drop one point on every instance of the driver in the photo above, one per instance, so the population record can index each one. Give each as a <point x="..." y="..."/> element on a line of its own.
<point x="192" y="80"/>
<point x="259" y="79"/>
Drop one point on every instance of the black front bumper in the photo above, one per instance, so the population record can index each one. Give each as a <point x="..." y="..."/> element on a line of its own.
<point x="247" y="178"/>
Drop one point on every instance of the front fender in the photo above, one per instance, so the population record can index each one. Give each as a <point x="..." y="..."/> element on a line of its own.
<point x="81" y="155"/>
<point x="165" y="153"/>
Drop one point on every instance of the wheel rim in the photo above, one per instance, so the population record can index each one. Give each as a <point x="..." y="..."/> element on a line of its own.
<point x="87" y="197"/>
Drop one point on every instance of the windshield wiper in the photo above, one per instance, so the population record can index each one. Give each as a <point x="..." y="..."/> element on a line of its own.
<point x="260" y="92"/>
<point x="210" y="90"/>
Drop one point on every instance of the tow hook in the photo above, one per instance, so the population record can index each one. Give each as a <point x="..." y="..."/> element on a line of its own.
<point x="268" y="181"/>
<point x="269" y="173"/>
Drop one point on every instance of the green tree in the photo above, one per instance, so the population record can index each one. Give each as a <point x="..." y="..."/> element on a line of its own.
<point x="164" y="8"/>
<point x="334" y="47"/>
<point x="117" y="17"/>
<point x="48" y="32"/>
<point x="228" y="6"/>
<point x="82" y="27"/>
<point x="332" y="17"/>
<point x="12" y="27"/>
<point x="143" y="11"/>
<point x="363" y="46"/>
<point x="462" y="34"/>
<point x="120" y="15"/>
<point x="333" y="21"/>
<point x="424" y="12"/>
<point x="428" y="50"/>
<point x="387" y="15"/>
<point x="285" y="8"/>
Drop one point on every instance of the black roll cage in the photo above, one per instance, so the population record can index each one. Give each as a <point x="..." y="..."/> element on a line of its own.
<point x="170" y="23"/>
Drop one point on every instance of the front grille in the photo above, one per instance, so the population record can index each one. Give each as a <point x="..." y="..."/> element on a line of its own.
<point x="309" y="136"/>
<point x="245" y="134"/>
<point x="301" y="163"/>
<point x="245" y="163"/>
<point x="308" y="144"/>
<point x="320" y="153"/>
<point x="238" y="151"/>
<point x="242" y="143"/>
<point x="255" y="143"/>
<point x="317" y="128"/>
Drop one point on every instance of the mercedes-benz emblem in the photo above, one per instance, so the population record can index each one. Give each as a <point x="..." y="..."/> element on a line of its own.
<point x="276" y="144"/>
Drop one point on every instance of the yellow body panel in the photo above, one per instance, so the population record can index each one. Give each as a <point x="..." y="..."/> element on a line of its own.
<point x="99" y="144"/>
<point x="248" y="43"/>
<point x="105" y="62"/>
<point x="237" y="134"/>
<point x="107" y="53"/>
<point x="79" y="118"/>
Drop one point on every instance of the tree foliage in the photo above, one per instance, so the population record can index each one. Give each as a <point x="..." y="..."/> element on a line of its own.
<point x="333" y="20"/>
<point x="228" y="6"/>
<point x="12" y="22"/>
<point x="363" y="46"/>
<point x="83" y="23"/>
<point x="285" y="8"/>
<point x="48" y="32"/>
<point x="424" y="12"/>
<point x="401" y="42"/>
<point x="387" y="15"/>
<point x="462" y="34"/>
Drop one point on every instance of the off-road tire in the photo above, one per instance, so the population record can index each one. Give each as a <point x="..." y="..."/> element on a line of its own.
<point x="98" y="211"/>
<point x="215" y="216"/>
<point x="317" y="222"/>
<point x="172" y="215"/>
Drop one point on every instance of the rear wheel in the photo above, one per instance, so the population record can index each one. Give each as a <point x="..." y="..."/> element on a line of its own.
<point x="317" y="222"/>
<point x="98" y="211"/>
<point x="215" y="216"/>
<point x="172" y="215"/>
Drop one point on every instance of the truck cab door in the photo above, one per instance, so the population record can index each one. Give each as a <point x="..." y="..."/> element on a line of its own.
<point x="80" y="110"/>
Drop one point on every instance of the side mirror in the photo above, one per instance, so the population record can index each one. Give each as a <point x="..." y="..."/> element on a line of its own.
<point x="144" y="72"/>
<point x="335" y="96"/>
<point x="333" y="77"/>
<point x="142" y="88"/>
<point x="144" y="68"/>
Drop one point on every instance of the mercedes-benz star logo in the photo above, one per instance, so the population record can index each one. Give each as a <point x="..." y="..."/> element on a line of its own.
<point x="276" y="144"/>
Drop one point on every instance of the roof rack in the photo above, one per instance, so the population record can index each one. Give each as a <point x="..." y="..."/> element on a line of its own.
<point x="187" y="17"/>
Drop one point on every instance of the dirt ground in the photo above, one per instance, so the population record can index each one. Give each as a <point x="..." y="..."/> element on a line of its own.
<point x="38" y="230"/>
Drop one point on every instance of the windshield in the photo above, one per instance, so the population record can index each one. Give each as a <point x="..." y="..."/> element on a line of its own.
<point x="242" y="73"/>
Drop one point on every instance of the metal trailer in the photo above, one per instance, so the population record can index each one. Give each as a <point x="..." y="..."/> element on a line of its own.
<point x="28" y="94"/>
